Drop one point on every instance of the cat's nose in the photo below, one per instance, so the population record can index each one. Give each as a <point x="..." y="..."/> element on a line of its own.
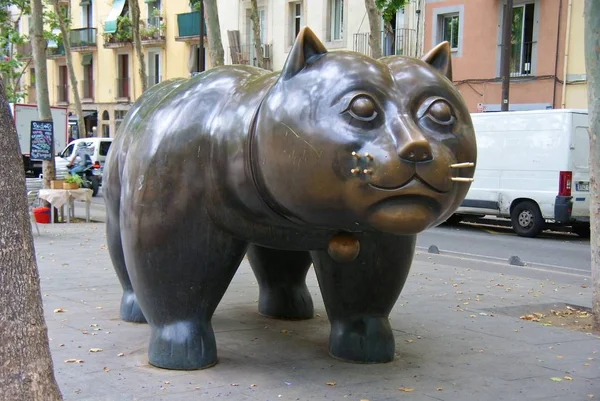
<point x="416" y="151"/>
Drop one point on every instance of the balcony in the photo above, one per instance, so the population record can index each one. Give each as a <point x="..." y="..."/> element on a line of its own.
<point x="62" y="95"/>
<point x="398" y="42"/>
<point x="153" y="33"/>
<point x="123" y="89"/>
<point x="83" y="39"/>
<point x="246" y="54"/>
<point x="87" y="91"/>
<point x="121" y="37"/>
<point x="188" y="25"/>
<point x="153" y="80"/>
<point x="56" y="52"/>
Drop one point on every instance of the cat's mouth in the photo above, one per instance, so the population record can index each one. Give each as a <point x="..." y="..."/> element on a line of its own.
<point x="415" y="178"/>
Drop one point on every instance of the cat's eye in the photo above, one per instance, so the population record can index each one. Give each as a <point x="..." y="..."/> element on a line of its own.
<point x="438" y="110"/>
<point x="362" y="108"/>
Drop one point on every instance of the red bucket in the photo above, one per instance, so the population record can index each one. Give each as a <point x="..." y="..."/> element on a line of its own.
<point x="42" y="214"/>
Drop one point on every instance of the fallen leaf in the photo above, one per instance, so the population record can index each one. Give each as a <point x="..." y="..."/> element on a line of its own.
<point x="106" y="369"/>
<point x="558" y="357"/>
<point x="331" y="383"/>
<point x="73" y="361"/>
<point x="96" y="350"/>
<point x="120" y="354"/>
<point x="406" y="389"/>
<point x="234" y="384"/>
<point x="59" y="310"/>
<point x="438" y="389"/>
<point x="284" y="331"/>
<point x="569" y="378"/>
<point x="253" y="385"/>
<point x="556" y="379"/>
<point x="409" y="340"/>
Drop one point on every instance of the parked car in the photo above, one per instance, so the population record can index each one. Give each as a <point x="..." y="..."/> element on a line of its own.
<point x="532" y="168"/>
<point x="97" y="148"/>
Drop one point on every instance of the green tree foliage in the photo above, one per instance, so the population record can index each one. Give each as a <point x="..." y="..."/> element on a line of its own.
<point x="389" y="8"/>
<point x="14" y="56"/>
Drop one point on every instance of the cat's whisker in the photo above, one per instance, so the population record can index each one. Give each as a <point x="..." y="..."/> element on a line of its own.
<point x="354" y="154"/>
<point x="368" y="156"/>
<point x="461" y="179"/>
<point x="368" y="171"/>
<point x="462" y="165"/>
<point x="355" y="171"/>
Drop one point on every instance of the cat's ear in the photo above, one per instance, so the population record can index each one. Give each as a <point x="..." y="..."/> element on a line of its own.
<point x="306" y="49"/>
<point x="440" y="58"/>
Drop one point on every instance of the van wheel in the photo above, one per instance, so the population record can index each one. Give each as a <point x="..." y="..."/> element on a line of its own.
<point x="527" y="220"/>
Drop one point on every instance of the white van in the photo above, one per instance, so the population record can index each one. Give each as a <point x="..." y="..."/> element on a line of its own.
<point x="97" y="148"/>
<point x="532" y="167"/>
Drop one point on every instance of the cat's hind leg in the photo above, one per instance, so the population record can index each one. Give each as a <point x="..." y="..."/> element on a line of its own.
<point x="129" y="310"/>
<point x="359" y="296"/>
<point x="281" y="277"/>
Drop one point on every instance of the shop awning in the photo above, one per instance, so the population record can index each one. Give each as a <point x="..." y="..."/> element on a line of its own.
<point x="110" y="24"/>
<point x="86" y="59"/>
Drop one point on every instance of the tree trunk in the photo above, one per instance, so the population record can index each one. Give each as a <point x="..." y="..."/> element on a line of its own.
<point x="69" y="57"/>
<point x="260" y="62"/>
<point x="215" y="46"/>
<point x="592" y="66"/>
<point x="134" y="10"/>
<point x="375" y="28"/>
<point x="41" y="78"/>
<point x="26" y="370"/>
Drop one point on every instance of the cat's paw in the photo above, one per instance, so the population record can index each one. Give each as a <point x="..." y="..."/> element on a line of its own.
<point x="130" y="309"/>
<point x="362" y="340"/>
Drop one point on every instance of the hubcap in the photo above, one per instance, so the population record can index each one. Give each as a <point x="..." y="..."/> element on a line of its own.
<point x="525" y="218"/>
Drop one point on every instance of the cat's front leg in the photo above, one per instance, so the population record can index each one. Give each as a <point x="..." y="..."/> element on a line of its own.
<point x="360" y="294"/>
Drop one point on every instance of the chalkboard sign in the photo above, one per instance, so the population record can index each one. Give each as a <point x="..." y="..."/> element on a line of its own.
<point x="42" y="140"/>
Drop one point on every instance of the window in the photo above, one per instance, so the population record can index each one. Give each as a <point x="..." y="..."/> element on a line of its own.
<point x="63" y="84"/>
<point x="153" y="67"/>
<point x="154" y="8"/>
<point x="262" y="21"/>
<point x="87" y="60"/>
<point x="450" y="25"/>
<point x="123" y="76"/>
<point x="296" y="20"/>
<point x="87" y="18"/>
<point x="119" y="116"/>
<point x="104" y="146"/>
<point x="337" y="19"/>
<point x="521" y="39"/>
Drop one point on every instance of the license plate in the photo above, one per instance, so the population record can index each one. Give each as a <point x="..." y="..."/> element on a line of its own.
<point x="582" y="186"/>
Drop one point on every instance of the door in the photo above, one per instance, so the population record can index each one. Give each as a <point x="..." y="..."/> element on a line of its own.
<point x="123" y="74"/>
<point x="580" y="186"/>
<point x="250" y="33"/>
<point x="153" y="67"/>
<point x="63" y="79"/>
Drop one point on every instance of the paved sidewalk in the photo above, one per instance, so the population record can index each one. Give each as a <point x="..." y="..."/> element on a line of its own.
<point x="456" y="323"/>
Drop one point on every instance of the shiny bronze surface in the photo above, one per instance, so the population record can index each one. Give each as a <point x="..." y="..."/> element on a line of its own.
<point x="339" y="160"/>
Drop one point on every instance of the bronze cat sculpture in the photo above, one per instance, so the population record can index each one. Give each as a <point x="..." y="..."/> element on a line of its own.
<point x="338" y="161"/>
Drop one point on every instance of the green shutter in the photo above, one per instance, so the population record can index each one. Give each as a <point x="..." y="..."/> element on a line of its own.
<point x="84" y="3"/>
<point x="110" y="23"/>
<point x="86" y="59"/>
<point x="149" y="1"/>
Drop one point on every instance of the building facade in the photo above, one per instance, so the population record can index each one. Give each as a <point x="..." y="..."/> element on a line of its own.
<point x="542" y="74"/>
<point x="106" y="67"/>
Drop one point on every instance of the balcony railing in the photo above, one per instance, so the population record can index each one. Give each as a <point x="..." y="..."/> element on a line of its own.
<point x="153" y="80"/>
<point x="154" y="29"/>
<point x="87" y="89"/>
<point x="246" y="54"/>
<point x="83" y="37"/>
<point x="393" y="43"/>
<point x="123" y="88"/>
<point x="521" y="55"/>
<point x="62" y="93"/>
<point x="188" y="25"/>
<point x="54" y="52"/>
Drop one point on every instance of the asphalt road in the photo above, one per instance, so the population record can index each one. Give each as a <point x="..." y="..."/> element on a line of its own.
<point x="491" y="242"/>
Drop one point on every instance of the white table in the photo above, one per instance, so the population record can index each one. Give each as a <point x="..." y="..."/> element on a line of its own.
<point x="60" y="197"/>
